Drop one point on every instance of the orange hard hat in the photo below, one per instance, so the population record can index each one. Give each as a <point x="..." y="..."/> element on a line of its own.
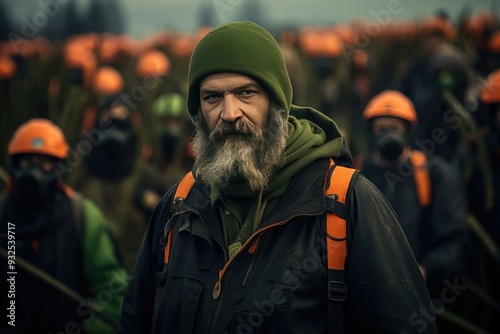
<point x="478" y="23"/>
<point x="79" y="57"/>
<point x="89" y="41"/>
<point x="109" y="48"/>
<point x="152" y="62"/>
<point x="8" y="67"/>
<point x="107" y="81"/>
<point x="332" y="44"/>
<point x="490" y="92"/>
<point x="310" y="42"/>
<point x="128" y="45"/>
<point x="493" y="43"/>
<point x="360" y="58"/>
<point x="183" y="45"/>
<point x="391" y="103"/>
<point x="39" y="136"/>
<point x="345" y="33"/>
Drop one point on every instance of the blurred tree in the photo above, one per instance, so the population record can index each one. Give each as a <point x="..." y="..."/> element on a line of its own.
<point x="252" y="11"/>
<point x="72" y="21"/>
<point x="5" y="26"/>
<point x="115" y="21"/>
<point x="206" y="14"/>
<point x="104" y="16"/>
<point x="96" y="18"/>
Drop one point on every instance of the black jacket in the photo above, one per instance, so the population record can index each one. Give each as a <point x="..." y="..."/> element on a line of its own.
<point x="437" y="233"/>
<point x="280" y="286"/>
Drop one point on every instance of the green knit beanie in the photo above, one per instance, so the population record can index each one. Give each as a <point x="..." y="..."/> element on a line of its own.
<point x="244" y="48"/>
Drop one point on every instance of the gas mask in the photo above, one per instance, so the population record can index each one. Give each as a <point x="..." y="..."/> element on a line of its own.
<point x="390" y="145"/>
<point x="33" y="187"/>
<point x="114" y="157"/>
<point x="116" y="143"/>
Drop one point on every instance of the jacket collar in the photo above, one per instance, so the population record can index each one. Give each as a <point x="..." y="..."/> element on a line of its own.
<point x="304" y="196"/>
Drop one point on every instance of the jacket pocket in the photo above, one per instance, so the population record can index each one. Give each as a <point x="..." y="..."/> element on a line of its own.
<point x="271" y="298"/>
<point x="176" y="303"/>
<point x="285" y="269"/>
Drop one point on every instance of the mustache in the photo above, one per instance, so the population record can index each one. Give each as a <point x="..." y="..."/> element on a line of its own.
<point x="238" y="127"/>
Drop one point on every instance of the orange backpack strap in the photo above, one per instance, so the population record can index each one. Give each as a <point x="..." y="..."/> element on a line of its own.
<point x="336" y="242"/>
<point x="180" y="195"/>
<point x="168" y="246"/>
<point x="184" y="187"/>
<point x="422" y="177"/>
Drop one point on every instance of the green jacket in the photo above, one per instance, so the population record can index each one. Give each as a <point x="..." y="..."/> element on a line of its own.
<point x="71" y="244"/>
<point x="106" y="278"/>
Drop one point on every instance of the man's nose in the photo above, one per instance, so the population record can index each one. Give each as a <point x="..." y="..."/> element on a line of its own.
<point x="231" y="110"/>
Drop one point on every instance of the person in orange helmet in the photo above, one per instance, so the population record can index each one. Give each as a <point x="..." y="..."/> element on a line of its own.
<point x="60" y="232"/>
<point x="422" y="190"/>
<point x="117" y="180"/>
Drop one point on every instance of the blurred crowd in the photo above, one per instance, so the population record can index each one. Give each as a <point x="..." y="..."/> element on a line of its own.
<point x="91" y="83"/>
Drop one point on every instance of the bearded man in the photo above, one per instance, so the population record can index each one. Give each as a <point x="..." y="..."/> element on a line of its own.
<point x="244" y="250"/>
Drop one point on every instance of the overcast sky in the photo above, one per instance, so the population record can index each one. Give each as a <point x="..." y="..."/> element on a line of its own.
<point x="146" y="16"/>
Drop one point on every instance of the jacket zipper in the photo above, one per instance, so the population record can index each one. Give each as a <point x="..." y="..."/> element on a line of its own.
<point x="217" y="291"/>
<point x="250" y="267"/>
<point x="218" y="285"/>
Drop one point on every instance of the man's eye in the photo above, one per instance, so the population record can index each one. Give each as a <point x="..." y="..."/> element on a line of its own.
<point x="211" y="98"/>
<point x="246" y="93"/>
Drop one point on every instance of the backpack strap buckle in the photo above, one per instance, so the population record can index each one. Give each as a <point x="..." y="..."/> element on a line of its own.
<point x="337" y="291"/>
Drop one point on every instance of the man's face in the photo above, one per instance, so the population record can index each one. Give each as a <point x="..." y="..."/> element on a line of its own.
<point x="34" y="182"/>
<point x="389" y="137"/>
<point x="239" y="135"/>
<point x="231" y="97"/>
<point x="384" y="124"/>
<point x="43" y="162"/>
<point x="117" y="111"/>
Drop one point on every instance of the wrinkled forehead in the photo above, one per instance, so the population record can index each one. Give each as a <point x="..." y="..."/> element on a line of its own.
<point x="228" y="81"/>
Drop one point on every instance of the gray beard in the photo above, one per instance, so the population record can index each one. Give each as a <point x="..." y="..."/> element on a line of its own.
<point x="240" y="150"/>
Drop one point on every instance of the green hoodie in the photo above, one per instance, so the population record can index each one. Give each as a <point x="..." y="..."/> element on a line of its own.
<point x="312" y="136"/>
<point x="248" y="49"/>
